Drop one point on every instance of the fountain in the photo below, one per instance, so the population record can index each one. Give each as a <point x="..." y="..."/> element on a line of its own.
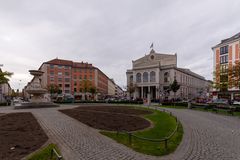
<point x="35" y="89"/>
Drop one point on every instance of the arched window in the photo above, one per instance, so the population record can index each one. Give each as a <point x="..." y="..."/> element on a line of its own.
<point x="138" y="77"/>
<point x="152" y="76"/>
<point x="166" y="75"/>
<point x="145" y="77"/>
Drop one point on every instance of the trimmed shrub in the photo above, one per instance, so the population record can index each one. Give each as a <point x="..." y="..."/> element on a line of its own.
<point x="184" y="104"/>
<point x="3" y="104"/>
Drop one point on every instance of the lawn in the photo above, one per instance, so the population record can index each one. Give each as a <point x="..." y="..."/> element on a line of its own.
<point x="45" y="153"/>
<point x="177" y="107"/>
<point x="164" y="125"/>
<point x="219" y="111"/>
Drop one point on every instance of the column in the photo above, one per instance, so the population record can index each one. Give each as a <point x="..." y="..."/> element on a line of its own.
<point x="157" y="92"/>
<point x="134" y="94"/>
<point x="149" y="96"/>
<point x="142" y="92"/>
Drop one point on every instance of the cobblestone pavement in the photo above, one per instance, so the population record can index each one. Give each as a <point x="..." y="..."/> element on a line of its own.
<point x="207" y="136"/>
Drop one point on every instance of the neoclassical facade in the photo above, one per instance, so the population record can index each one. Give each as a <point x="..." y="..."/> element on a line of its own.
<point x="153" y="74"/>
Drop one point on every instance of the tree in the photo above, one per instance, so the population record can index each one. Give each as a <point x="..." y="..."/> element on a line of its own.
<point x="53" y="88"/>
<point x="174" y="87"/>
<point x="236" y="71"/>
<point x="230" y="76"/>
<point x="4" y="77"/>
<point x="131" y="88"/>
<point x="93" y="91"/>
<point x="86" y="87"/>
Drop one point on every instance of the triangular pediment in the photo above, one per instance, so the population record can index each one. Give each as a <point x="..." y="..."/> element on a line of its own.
<point x="155" y="59"/>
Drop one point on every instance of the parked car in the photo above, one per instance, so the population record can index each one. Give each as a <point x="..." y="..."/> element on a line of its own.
<point x="236" y="102"/>
<point x="65" y="98"/>
<point x="220" y="101"/>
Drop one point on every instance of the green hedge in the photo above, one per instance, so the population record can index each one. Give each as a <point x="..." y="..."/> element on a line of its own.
<point x="126" y="102"/>
<point x="81" y="101"/>
<point x="3" y="104"/>
<point x="184" y="104"/>
<point x="101" y="101"/>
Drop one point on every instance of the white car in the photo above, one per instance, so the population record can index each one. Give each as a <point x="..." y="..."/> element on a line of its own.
<point x="236" y="102"/>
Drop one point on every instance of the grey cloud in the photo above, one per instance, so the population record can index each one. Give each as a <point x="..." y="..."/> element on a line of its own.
<point x="110" y="34"/>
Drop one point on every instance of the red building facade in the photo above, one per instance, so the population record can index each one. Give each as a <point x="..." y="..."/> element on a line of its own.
<point x="73" y="77"/>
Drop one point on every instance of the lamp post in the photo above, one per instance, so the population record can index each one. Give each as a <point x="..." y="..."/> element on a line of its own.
<point x="1" y="65"/>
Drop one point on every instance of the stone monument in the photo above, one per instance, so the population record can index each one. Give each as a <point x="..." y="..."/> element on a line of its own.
<point x="37" y="94"/>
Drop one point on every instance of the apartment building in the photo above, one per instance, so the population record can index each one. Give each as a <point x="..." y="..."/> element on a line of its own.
<point x="73" y="77"/>
<point x="226" y="68"/>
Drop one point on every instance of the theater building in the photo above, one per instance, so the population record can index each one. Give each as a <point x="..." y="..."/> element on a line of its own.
<point x="153" y="74"/>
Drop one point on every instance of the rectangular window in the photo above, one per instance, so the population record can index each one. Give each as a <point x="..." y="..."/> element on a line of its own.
<point x="80" y="77"/>
<point x="75" y="77"/>
<point x="51" y="73"/>
<point x="59" y="66"/>
<point x="67" y="85"/>
<point x="224" y="50"/>
<point x="60" y="85"/>
<point x="67" y="91"/>
<point x="67" y="79"/>
<point x="224" y="59"/>
<point x="67" y="74"/>
<point x="51" y="79"/>
<point x="51" y="66"/>
<point x="60" y="73"/>
<point x="59" y="79"/>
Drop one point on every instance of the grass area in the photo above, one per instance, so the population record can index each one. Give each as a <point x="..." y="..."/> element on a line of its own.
<point x="45" y="153"/>
<point x="164" y="125"/>
<point x="219" y="111"/>
<point x="177" y="107"/>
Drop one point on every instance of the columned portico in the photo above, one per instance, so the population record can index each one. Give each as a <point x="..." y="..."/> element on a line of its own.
<point x="142" y="92"/>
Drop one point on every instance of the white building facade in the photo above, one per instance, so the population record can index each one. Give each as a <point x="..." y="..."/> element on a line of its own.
<point x="153" y="74"/>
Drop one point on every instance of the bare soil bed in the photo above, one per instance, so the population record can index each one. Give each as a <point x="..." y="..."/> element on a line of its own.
<point x="20" y="135"/>
<point x="110" y="118"/>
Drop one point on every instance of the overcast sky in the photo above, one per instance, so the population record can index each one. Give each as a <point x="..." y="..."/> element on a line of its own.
<point x="110" y="34"/>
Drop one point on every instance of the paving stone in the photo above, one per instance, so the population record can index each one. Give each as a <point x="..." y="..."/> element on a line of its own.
<point x="207" y="136"/>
